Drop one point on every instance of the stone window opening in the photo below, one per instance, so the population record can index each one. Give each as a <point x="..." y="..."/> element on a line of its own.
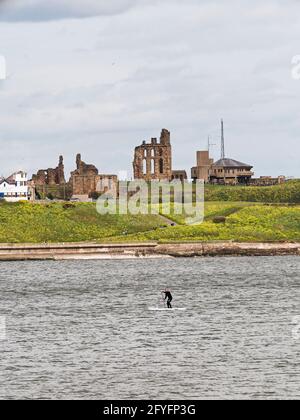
<point x="161" y="166"/>
<point x="152" y="167"/>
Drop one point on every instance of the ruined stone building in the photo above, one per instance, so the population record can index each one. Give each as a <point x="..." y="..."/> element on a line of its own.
<point x="51" y="176"/>
<point x="83" y="179"/>
<point x="86" y="180"/>
<point x="153" y="161"/>
<point x="51" y="182"/>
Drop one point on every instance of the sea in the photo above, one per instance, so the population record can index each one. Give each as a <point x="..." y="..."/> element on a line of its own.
<point x="83" y="329"/>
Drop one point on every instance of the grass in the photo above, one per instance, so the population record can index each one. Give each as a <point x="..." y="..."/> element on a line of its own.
<point x="58" y="222"/>
<point x="75" y="222"/>
<point x="288" y="192"/>
<point x="211" y="210"/>
<point x="247" y="223"/>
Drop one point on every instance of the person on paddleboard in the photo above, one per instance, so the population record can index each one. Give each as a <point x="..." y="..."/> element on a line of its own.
<point x="168" y="296"/>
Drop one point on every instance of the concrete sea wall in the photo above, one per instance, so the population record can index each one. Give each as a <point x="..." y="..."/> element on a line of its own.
<point x="14" y="252"/>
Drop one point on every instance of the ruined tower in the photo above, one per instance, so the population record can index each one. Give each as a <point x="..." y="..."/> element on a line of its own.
<point x="154" y="160"/>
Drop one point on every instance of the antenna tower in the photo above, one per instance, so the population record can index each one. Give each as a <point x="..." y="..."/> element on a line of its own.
<point x="222" y="141"/>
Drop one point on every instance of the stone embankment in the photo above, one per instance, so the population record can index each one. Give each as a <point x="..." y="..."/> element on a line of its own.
<point x="64" y="251"/>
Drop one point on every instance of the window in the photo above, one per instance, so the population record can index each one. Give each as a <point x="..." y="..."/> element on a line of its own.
<point x="144" y="167"/>
<point x="161" y="166"/>
<point x="152" y="167"/>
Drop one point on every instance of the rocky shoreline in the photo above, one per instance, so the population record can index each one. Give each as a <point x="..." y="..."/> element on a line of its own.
<point x="67" y="251"/>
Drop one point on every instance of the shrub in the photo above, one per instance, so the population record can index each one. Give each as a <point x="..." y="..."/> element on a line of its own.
<point x="219" y="219"/>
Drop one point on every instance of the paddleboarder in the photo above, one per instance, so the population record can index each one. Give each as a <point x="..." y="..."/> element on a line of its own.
<point x="169" y="297"/>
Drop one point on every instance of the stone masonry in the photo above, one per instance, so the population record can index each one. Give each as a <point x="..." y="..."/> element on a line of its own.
<point x="50" y="176"/>
<point x="86" y="180"/>
<point x="83" y="179"/>
<point x="154" y="160"/>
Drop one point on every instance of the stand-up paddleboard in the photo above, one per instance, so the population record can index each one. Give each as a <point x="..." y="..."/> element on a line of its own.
<point x="162" y="305"/>
<point x="166" y="309"/>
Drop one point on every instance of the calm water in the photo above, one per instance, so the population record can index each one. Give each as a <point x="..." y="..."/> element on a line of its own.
<point x="81" y="329"/>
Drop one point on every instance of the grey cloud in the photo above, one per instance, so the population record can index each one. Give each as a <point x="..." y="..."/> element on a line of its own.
<point x="100" y="86"/>
<point x="41" y="10"/>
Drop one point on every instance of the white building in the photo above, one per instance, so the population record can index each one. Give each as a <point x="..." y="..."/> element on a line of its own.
<point x="15" y="187"/>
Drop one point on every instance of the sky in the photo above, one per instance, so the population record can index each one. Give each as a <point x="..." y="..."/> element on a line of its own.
<point x="98" y="77"/>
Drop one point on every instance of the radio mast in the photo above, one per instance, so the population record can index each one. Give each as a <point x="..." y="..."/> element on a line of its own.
<point x="222" y="141"/>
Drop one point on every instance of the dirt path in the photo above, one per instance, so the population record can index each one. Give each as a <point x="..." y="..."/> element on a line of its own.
<point x="168" y="221"/>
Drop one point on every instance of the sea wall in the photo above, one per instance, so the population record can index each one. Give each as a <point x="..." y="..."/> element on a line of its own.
<point x="13" y="252"/>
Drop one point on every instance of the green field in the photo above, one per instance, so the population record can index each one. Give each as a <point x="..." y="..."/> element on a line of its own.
<point x="284" y="193"/>
<point x="59" y="222"/>
<point x="76" y="222"/>
<point x="244" y="223"/>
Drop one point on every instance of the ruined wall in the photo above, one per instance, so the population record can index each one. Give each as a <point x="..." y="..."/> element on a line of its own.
<point x="154" y="160"/>
<point x="52" y="182"/>
<point x="83" y="179"/>
<point x="51" y="176"/>
<point x="86" y="180"/>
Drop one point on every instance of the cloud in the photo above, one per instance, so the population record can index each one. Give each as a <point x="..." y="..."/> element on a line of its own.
<point x="101" y="86"/>
<point x="43" y="10"/>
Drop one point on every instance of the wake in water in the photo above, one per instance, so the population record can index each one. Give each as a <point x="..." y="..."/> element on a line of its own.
<point x="166" y="309"/>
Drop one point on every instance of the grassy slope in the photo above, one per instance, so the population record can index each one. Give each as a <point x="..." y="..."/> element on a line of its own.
<point x="211" y="210"/>
<point x="252" y="223"/>
<point x="25" y="222"/>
